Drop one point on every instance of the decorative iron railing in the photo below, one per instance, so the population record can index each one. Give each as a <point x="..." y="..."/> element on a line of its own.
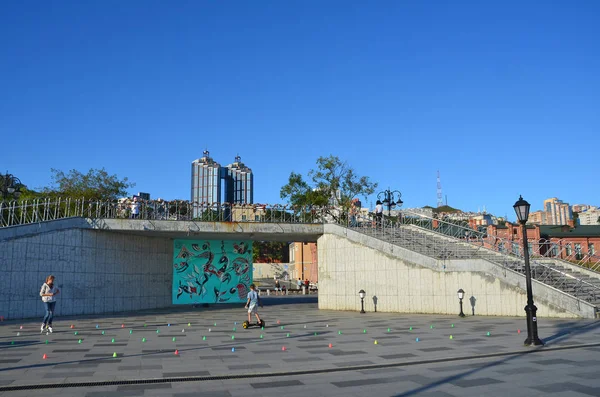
<point x="19" y="213"/>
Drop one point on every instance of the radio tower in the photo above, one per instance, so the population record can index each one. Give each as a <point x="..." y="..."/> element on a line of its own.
<point x="439" y="191"/>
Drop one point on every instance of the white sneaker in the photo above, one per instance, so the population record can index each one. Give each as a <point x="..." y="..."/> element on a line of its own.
<point x="50" y="329"/>
<point x="43" y="328"/>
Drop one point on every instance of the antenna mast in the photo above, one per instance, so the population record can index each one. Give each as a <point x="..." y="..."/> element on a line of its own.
<point x="439" y="191"/>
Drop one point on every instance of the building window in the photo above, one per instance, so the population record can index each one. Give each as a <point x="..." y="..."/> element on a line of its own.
<point x="568" y="249"/>
<point x="515" y="248"/>
<point x="501" y="247"/>
<point x="554" y="250"/>
<point x="578" y="254"/>
<point x="591" y="249"/>
<point x="243" y="217"/>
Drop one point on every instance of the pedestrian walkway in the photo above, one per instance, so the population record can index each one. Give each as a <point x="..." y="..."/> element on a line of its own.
<point x="302" y="351"/>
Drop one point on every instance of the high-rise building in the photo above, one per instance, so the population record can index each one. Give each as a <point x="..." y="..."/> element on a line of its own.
<point x="206" y="180"/>
<point x="559" y="213"/>
<point x="239" y="183"/>
<point x="213" y="184"/>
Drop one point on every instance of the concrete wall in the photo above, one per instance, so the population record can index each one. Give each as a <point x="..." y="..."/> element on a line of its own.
<point x="97" y="271"/>
<point x="406" y="282"/>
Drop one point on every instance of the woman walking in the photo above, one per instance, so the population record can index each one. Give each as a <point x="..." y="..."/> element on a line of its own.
<point x="48" y="294"/>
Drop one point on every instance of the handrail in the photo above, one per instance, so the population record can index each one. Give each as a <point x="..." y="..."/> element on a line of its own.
<point x="41" y="210"/>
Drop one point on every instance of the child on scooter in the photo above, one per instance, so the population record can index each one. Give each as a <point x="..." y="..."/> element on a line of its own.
<point x="252" y="304"/>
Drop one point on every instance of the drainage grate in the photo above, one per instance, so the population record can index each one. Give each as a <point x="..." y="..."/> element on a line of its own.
<point x="289" y="373"/>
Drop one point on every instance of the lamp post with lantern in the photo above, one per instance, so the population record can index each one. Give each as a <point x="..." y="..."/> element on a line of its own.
<point x="362" y="294"/>
<point x="10" y="185"/>
<point x="522" y="210"/>
<point x="390" y="199"/>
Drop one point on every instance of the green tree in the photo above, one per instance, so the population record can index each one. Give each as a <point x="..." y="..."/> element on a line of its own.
<point x="96" y="184"/>
<point x="270" y="251"/>
<point x="332" y="184"/>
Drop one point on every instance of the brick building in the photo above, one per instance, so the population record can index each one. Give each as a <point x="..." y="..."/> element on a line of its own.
<point x="564" y="242"/>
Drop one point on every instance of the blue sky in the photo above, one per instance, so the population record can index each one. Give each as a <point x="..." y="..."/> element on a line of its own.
<point x="502" y="97"/>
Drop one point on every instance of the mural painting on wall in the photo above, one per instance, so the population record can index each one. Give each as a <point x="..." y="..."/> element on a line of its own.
<point x="211" y="271"/>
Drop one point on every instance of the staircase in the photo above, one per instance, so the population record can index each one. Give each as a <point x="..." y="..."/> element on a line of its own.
<point x="584" y="285"/>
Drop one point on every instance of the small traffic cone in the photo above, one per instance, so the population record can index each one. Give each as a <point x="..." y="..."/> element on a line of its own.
<point x="330" y="345"/>
<point x="44" y="356"/>
<point x="72" y="326"/>
<point x="102" y="332"/>
<point x="113" y="340"/>
<point x="417" y="340"/>
<point x="176" y="352"/>
<point x="375" y="343"/>
<point x="451" y="337"/>
<point x="79" y="341"/>
<point x="452" y="325"/>
<point x="183" y="330"/>
<point x="339" y="332"/>
<point x="189" y="324"/>
<point x="143" y="339"/>
<point x="233" y="349"/>
<point x="21" y="327"/>
<point x="75" y="333"/>
<point x="283" y="348"/>
<point x="518" y="331"/>
<point x="122" y="325"/>
<point x="173" y="339"/>
<point x="115" y="354"/>
<point x="18" y="334"/>
<point x="261" y="336"/>
<point x="232" y="337"/>
<point x="130" y="331"/>
<point x="488" y="334"/>
<point x="157" y="331"/>
<point x="204" y="338"/>
<point x="287" y="335"/>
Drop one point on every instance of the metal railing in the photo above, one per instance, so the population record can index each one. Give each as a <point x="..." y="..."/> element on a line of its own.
<point x="20" y="213"/>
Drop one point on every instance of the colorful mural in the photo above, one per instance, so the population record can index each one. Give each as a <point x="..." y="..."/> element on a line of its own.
<point x="211" y="271"/>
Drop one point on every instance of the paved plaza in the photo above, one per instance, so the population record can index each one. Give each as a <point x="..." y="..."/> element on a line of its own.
<point x="302" y="351"/>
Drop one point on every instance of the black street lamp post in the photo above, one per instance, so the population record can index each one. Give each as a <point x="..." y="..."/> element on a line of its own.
<point x="10" y="185"/>
<point x="362" y="294"/>
<point x="391" y="199"/>
<point x="522" y="209"/>
<point x="461" y="295"/>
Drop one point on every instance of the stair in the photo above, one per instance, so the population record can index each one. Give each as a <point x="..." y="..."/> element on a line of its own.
<point x="438" y="246"/>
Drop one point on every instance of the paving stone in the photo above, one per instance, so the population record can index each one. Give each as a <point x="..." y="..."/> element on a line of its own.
<point x="281" y="383"/>
<point x="475" y="382"/>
